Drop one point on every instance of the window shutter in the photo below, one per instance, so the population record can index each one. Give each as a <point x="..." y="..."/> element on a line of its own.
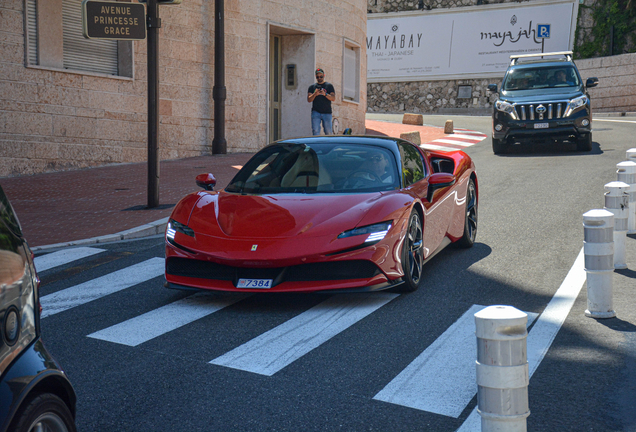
<point x="32" y="32"/>
<point x="349" y="91"/>
<point x="91" y="55"/>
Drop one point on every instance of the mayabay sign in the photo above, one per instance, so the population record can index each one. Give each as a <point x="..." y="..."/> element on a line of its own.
<point x="113" y="20"/>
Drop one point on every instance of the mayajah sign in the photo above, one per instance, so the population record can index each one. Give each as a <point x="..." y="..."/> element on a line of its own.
<point x="470" y="43"/>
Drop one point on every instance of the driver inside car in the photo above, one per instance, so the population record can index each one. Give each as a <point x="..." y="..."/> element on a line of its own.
<point x="377" y="164"/>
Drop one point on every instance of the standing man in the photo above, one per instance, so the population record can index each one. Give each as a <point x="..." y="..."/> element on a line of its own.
<point x="321" y="94"/>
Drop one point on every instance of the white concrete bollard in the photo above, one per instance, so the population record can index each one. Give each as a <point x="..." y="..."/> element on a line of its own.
<point x="502" y="369"/>
<point x="626" y="173"/>
<point x="617" y="202"/>
<point x="598" y="247"/>
<point x="631" y="154"/>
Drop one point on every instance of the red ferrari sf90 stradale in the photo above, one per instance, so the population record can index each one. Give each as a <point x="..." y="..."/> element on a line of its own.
<point x="335" y="213"/>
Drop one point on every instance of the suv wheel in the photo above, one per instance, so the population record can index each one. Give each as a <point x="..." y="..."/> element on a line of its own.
<point x="498" y="146"/>
<point x="584" y="142"/>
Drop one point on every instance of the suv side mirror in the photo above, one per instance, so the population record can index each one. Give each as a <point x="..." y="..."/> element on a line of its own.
<point x="492" y="88"/>
<point x="206" y="181"/>
<point x="591" y="82"/>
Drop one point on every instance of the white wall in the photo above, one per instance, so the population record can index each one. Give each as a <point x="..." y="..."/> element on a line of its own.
<point x="295" y="110"/>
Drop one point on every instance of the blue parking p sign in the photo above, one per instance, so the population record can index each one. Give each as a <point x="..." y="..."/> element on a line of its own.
<point x="543" y="31"/>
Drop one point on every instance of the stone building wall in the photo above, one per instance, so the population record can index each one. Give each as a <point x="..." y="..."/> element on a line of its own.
<point x="616" y="91"/>
<point x="54" y="119"/>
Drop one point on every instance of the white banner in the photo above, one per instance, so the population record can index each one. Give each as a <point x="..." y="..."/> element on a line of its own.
<point x="475" y="42"/>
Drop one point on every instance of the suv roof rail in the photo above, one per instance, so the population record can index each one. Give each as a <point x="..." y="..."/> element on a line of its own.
<point x="515" y="58"/>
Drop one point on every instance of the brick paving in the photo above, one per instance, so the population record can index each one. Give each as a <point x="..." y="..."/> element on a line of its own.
<point x="75" y="205"/>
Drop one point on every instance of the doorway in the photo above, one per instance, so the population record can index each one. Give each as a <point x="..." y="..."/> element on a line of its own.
<point x="291" y="63"/>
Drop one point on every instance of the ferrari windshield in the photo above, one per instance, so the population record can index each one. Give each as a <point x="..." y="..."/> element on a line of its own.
<point x="322" y="168"/>
<point x="541" y="77"/>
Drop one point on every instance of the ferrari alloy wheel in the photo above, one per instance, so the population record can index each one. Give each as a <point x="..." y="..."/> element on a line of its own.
<point x="413" y="254"/>
<point x="470" y="221"/>
<point x="45" y="413"/>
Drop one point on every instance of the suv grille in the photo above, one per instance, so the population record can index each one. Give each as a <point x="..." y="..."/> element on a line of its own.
<point x="547" y="111"/>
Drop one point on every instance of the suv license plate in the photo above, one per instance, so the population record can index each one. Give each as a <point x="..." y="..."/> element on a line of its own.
<point x="541" y="125"/>
<point x="255" y="283"/>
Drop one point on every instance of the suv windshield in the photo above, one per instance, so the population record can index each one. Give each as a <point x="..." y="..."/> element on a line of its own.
<point x="323" y="168"/>
<point x="541" y="77"/>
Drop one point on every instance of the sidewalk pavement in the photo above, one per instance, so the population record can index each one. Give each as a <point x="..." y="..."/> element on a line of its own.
<point x="97" y="205"/>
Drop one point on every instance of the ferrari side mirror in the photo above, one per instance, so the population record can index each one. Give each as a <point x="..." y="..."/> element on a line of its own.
<point x="438" y="181"/>
<point x="206" y="181"/>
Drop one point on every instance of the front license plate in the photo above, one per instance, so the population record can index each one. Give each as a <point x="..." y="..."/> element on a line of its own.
<point x="541" y="125"/>
<point x="255" y="283"/>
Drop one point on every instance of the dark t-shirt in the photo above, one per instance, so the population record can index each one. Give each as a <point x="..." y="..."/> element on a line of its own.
<point x="321" y="104"/>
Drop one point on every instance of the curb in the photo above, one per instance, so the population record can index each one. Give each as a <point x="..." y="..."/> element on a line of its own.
<point x="147" y="230"/>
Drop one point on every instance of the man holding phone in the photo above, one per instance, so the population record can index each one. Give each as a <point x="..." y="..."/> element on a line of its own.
<point x="321" y="94"/>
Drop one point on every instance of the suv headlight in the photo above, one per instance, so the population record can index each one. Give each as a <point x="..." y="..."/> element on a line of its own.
<point x="575" y="104"/>
<point x="506" y="107"/>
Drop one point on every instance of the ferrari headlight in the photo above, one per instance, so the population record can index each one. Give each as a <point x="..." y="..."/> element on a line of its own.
<point x="375" y="232"/>
<point x="575" y="104"/>
<point x="506" y="107"/>
<point x="173" y="227"/>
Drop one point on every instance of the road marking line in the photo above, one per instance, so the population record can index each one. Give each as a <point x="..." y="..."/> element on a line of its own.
<point x="170" y="317"/>
<point x="279" y="347"/>
<point x="457" y="143"/>
<point x="472" y="132"/>
<point x="56" y="259"/>
<point x="102" y="286"/>
<point x="465" y="136"/>
<point x="442" y="379"/>
<point x="545" y="330"/>
<point x="428" y="146"/>
<point x="615" y="121"/>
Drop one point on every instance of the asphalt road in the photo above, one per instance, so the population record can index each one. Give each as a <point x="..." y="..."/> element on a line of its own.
<point x="136" y="372"/>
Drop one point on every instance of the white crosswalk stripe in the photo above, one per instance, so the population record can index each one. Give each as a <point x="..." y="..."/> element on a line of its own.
<point x="65" y="256"/>
<point x="461" y="139"/>
<point x="545" y="330"/>
<point x="279" y="347"/>
<point x="102" y="286"/>
<point x="442" y="379"/>
<point x="454" y="142"/>
<point x="160" y="321"/>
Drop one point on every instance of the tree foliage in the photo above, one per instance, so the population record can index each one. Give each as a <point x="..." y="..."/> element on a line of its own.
<point x="608" y="16"/>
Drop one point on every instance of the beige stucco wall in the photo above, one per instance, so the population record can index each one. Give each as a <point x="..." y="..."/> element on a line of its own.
<point x="52" y="119"/>
<point x="616" y="91"/>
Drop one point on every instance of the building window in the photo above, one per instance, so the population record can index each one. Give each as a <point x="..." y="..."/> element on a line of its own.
<point x="55" y="39"/>
<point x="351" y="72"/>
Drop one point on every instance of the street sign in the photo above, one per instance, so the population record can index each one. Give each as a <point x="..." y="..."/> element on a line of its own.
<point x="543" y="31"/>
<point x="113" y="20"/>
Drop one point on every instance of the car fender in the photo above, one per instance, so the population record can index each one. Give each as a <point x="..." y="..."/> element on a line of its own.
<point x="34" y="370"/>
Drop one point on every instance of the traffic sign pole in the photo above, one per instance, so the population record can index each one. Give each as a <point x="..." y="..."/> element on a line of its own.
<point x="154" y="23"/>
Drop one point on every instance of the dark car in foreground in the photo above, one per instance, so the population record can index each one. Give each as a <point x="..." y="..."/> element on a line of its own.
<point x="35" y="394"/>
<point x="335" y="213"/>
<point x="542" y="100"/>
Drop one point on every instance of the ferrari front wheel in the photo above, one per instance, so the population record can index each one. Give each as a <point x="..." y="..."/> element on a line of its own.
<point x="413" y="253"/>
<point x="470" y="219"/>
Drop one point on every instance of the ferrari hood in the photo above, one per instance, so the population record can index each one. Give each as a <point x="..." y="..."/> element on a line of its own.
<point x="279" y="216"/>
